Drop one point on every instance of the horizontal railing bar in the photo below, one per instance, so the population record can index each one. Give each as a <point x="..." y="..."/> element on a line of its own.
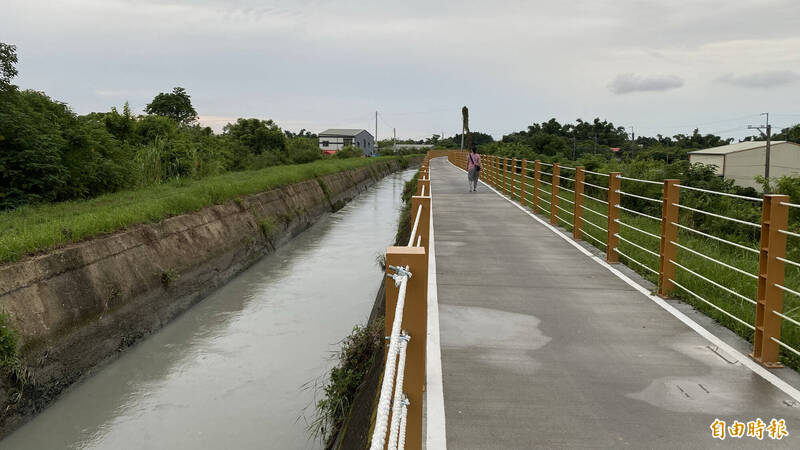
<point x="566" y="178"/>
<point x="564" y="220"/>
<point x="566" y="189"/>
<point x="757" y="225"/>
<point x="637" y="245"/>
<point x="690" y="250"/>
<point x="714" y="306"/>
<point x="543" y="200"/>
<point x="594" y="198"/>
<point x="692" y="188"/>
<point x="591" y="210"/>
<point x="789" y="233"/>
<point x="545" y="182"/>
<point x="543" y="208"/>
<point x="565" y="199"/>
<point x="567" y="168"/>
<point x="640" y="196"/>
<point x="657" y="219"/>
<point x="637" y="229"/>
<point x="545" y="164"/>
<point x="728" y="290"/>
<point x="594" y="238"/>
<point x="790" y="204"/>
<point x="565" y="210"/>
<point x="589" y="222"/>
<point x="596" y="173"/>
<point x="414" y="229"/>
<point x="635" y="261"/>
<point x="640" y="180"/>
<point x="786" y="289"/>
<point x="595" y="186"/>
<point x="785" y="346"/>
<point x="788" y="261"/>
<point x="716" y="238"/>
<point x="786" y="318"/>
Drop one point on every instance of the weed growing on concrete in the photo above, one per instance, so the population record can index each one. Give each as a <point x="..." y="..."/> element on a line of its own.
<point x="9" y="342"/>
<point x="357" y="355"/>
<point x="169" y="275"/>
<point x="404" y="226"/>
<point x="267" y="227"/>
<point x="10" y="362"/>
<point x="325" y="190"/>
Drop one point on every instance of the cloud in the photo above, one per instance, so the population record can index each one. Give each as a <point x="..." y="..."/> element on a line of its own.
<point x="765" y="79"/>
<point x="629" y="82"/>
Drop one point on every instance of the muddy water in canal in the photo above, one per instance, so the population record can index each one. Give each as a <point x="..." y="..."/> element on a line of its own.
<point x="229" y="373"/>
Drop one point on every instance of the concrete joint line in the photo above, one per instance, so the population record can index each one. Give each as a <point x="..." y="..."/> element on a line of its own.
<point x="436" y="438"/>
<point x="710" y="337"/>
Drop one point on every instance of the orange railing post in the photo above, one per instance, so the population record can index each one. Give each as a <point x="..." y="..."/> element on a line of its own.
<point x="613" y="215"/>
<point x="771" y="272"/>
<point x="577" y="221"/>
<point x="512" y="174"/>
<point x="554" y="194"/>
<point x="424" y="185"/>
<point x="522" y="183"/>
<point x="668" y="251"/>
<point x="537" y="174"/>
<point x="505" y="176"/>
<point x="415" y="321"/>
<point x="496" y="168"/>
<point x="424" y="218"/>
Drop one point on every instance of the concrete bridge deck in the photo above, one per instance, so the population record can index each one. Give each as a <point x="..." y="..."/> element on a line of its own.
<point x="544" y="347"/>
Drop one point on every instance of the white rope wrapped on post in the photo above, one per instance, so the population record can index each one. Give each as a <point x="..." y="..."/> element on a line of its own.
<point x="394" y="431"/>
<point x="400" y="278"/>
<point x="401" y="440"/>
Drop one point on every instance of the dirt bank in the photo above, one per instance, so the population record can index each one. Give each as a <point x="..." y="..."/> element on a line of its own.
<point x="76" y="307"/>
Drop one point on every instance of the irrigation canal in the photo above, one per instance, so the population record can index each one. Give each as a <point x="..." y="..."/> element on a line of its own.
<point x="229" y="373"/>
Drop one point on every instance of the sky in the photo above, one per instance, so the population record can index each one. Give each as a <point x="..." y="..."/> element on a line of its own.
<point x="654" y="66"/>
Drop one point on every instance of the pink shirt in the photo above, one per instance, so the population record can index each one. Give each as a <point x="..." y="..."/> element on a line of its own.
<point x="473" y="159"/>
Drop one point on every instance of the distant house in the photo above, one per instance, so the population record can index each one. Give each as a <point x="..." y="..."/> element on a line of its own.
<point x="334" y="139"/>
<point x="743" y="161"/>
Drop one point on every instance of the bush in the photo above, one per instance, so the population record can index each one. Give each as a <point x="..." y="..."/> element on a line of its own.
<point x="358" y="353"/>
<point x="304" y="150"/>
<point x="349" y="152"/>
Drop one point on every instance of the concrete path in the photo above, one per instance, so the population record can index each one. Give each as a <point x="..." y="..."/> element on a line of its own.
<point x="542" y="347"/>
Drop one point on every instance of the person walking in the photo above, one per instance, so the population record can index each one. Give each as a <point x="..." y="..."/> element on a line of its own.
<point x="473" y="168"/>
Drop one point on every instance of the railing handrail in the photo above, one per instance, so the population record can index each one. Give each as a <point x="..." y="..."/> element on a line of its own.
<point x="544" y="196"/>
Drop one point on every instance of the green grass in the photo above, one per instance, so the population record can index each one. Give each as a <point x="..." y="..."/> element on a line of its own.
<point x="742" y="259"/>
<point x="33" y="229"/>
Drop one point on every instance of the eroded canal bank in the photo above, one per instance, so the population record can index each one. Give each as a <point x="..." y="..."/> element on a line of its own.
<point x="229" y="372"/>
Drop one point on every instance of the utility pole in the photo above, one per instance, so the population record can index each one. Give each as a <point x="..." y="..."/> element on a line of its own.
<point x="376" y="128"/>
<point x="768" y="136"/>
<point x="573" y="144"/>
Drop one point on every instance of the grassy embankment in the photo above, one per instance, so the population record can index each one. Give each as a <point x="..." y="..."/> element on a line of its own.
<point x="742" y="259"/>
<point x="36" y="228"/>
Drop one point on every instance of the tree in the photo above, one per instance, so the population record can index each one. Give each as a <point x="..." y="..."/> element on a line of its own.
<point x="176" y="106"/>
<point x="465" y="126"/>
<point x="260" y="136"/>
<point x="8" y="57"/>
